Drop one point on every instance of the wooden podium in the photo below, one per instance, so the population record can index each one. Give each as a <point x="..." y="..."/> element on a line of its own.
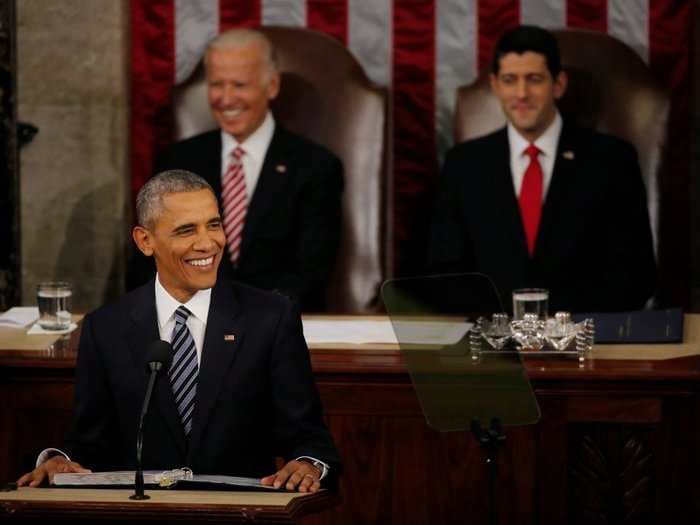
<point x="165" y="506"/>
<point x="617" y="442"/>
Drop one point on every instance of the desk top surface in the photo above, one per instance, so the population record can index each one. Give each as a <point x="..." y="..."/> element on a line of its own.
<point x="56" y="495"/>
<point x="221" y="506"/>
<point x="609" y="362"/>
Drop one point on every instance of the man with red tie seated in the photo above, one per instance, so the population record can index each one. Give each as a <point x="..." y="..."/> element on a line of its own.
<point x="280" y="193"/>
<point x="541" y="203"/>
<point x="240" y="390"/>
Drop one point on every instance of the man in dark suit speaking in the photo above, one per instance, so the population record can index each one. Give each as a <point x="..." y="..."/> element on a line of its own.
<point x="280" y="193"/>
<point x="240" y="390"/>
<point x="541" y="203"/>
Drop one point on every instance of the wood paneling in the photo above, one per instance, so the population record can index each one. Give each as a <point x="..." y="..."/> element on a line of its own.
<point x="617" y="441"/>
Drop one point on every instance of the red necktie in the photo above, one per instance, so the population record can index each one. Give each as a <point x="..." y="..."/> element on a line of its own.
<point x="531" y="198"/>
<point x="235" y="203"/>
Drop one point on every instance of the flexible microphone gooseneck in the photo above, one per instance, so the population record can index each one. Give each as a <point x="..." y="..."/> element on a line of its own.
<point x="158" y="357"/>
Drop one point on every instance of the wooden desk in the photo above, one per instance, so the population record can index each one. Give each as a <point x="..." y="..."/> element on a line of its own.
<point x="165" y="506"/>
<point x="619" y="439"/>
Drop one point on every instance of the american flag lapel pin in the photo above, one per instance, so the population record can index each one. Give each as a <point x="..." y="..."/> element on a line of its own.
<point x="281" y="168"/>
<point x="229" y="337"/>
<point x="568" y="155"/>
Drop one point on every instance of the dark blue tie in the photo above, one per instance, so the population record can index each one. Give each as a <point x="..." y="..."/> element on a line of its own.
<point x="183" y="372"/>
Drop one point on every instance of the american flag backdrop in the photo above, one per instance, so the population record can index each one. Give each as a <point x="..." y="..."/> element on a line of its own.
<point x="421" y="50"/>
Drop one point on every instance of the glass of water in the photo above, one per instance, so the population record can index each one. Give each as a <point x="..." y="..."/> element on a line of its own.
<point x="530" y="301"/>
<point x="54" y="298"/>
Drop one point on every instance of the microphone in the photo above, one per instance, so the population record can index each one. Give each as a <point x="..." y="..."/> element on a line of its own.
<point x="158" y="357"/>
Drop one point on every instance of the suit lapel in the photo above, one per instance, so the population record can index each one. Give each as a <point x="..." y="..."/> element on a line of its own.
<point x="144" y="331"/>
<point x="504" y="192"/>
<point x="271" y="182"/>
<point x="222" y="340"/>
<point x="560" y="187"/>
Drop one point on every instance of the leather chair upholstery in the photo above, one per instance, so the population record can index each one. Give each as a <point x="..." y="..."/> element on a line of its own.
<point x="326" y="96"/>
<point x="610" y="89"/>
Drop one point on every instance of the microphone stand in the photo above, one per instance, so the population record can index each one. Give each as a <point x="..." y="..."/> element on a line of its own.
<point x="138" y="477"/>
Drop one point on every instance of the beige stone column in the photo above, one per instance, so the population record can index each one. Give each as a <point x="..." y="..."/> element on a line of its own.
<point x="72" y="84"/>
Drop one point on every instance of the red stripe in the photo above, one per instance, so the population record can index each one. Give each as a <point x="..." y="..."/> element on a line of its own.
<point x="670" y="41"/>
<point x="587" y="14"/>
<point x="232" y="193"/>
<point x="413" y="88"/>
<point x="238" y="13"/>
<point x="329" y="17"/>
<point x="237" y="211"/>
<point x="235" y="230"/>
<point x="152" y="30"/>
<point x="493" y="18"/>
<point x="231" y="186"/>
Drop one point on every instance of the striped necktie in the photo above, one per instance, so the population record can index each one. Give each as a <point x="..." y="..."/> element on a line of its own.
<point x="235" y="203"/>
<point x="184" y="369"/>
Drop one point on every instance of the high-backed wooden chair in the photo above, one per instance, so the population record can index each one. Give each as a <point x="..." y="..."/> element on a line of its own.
<point x="327" y="97"/>
<point x="610" y="89"/>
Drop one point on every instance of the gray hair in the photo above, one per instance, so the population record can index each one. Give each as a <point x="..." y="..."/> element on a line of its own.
<point x="242" y="37"/>
<point x="149" y="201"/>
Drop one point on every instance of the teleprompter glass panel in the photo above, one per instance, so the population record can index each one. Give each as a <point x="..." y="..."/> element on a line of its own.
<point x="433" y="318"/>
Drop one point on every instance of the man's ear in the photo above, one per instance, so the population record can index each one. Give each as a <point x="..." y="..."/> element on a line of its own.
<point x="493" y="82"/>
<point x="143" y="239"/>
<point x="560" y="84"/>
<point x="273" y="86"/>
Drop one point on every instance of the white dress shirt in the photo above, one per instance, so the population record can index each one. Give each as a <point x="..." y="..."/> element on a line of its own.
<point x="255" y="148"/>
<point x="547" y="144"/>
<point x="198" y="305"/>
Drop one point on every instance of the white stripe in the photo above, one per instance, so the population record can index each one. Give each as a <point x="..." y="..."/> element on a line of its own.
<point x="370" y="26"/>
<point x="284" y="13"/>
<point x="456" y="62"/>
<point x="236" y="213"/>
<point x="544" y="13"/>
<point x="628" y="20"/>
<point x="234" y="226"/>
<point x="196" y="22"/>
<point x="232" y="189"/>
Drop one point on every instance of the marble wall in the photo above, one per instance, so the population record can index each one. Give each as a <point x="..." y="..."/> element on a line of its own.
<point x="72" y="85"/>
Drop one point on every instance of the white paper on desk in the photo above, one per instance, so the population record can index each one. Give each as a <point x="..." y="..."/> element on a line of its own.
<point x="166" y="478"/>
<point x="124" y="477"/>
<point x="367" y="331"/>
<point x="431" y="332"/>
<point x="348" y="331"/>
<point x="19" y="316"/>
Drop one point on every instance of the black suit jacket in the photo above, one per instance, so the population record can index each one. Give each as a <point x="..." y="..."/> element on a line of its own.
<point x="256" y="397"/>
<point x="292" y="229"/>
<point x="594" y="246"/>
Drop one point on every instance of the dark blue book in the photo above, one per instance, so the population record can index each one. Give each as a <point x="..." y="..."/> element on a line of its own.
<point x="641" y="326"/>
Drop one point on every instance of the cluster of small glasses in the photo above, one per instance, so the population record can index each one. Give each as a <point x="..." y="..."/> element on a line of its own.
<point x="532" y="334"/>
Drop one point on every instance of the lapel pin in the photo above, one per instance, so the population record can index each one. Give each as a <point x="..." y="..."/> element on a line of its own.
<point x="229" y="337"/>
<point x="281" y="168"/>
<point x="568" y="155"/>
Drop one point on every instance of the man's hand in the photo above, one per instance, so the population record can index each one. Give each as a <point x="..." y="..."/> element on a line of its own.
<point x="295" y="475"/>
<point x="48" y="468"/>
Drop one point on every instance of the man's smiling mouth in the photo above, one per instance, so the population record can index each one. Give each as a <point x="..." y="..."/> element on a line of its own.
<point x="201" y="263"/>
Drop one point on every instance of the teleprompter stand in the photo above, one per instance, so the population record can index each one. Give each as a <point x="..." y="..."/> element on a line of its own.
<point x="491" y="440"/>
<point x="433" y="319"/>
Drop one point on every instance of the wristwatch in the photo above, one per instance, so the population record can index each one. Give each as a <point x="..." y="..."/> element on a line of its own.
<point x="319" y="465"/>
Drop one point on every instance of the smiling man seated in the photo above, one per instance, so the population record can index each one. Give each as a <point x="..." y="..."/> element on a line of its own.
<point x="240" y="390"/>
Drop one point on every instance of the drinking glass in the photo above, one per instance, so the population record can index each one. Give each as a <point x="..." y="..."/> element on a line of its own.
<point x="53" y="299"/>
<point x="530" y="301"/>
